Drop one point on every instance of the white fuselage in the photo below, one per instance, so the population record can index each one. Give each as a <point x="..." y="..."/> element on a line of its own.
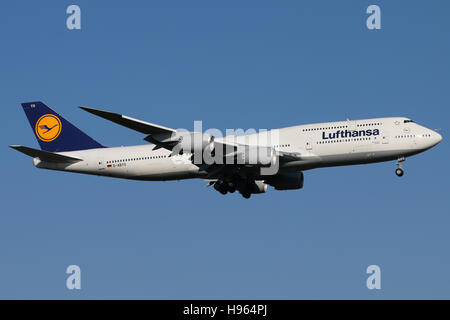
<point x="319" y="145"/>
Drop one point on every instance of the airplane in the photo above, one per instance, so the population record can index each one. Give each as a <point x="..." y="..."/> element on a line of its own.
<point x="170" y="153"/>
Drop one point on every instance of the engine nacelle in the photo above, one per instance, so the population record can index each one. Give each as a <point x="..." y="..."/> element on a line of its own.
<point x="195" y="142"/>
<point x="286" y="181"/>
<point x="259" y="187"/>
<point x="256" y="155"/>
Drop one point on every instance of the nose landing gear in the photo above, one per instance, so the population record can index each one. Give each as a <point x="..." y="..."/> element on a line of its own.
<point x="399" y="171"/>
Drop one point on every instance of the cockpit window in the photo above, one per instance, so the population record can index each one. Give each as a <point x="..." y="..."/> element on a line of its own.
<point x="406" y="121"/>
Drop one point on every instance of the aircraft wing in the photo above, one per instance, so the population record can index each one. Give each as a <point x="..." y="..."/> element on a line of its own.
<point x="162" y="136"/>
<point x="289" y="156"/>
<point x="233" y="150"/>
<point x="45" y="155"/>
<point x="135" y="124"/>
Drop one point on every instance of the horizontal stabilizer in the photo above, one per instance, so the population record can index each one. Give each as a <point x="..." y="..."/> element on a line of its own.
<point x="45" y="155"/>
<point x="131" y="123"/>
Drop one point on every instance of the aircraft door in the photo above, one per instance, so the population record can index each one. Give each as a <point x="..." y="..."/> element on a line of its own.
<point x="308" y="144"/>
<point x="100" y="163"/>
<point x="385" y="138"/>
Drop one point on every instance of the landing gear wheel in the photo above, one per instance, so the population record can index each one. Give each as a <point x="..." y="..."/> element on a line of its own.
<point x="222" y="188"/>
<point x="246" y="195"/>
<point x="399" y="170"/>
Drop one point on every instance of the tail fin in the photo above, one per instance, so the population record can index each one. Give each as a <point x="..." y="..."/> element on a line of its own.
<point x="53" y="132"/>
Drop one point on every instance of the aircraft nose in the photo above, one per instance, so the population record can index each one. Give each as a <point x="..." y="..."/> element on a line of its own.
<point x="435" y="138"/>
<point x="438" y="137"/>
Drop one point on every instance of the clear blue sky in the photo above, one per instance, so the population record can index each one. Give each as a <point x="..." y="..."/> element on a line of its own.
<point x="232" y="64"/>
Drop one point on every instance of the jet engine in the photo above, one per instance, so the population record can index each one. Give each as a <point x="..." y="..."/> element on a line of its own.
<point x="195" y="142"/>
<point x="286" y="181"/>
<point x="256" y="155"/>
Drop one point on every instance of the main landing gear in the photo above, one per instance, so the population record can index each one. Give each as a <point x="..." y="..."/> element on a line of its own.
<point x="399" y="171"/>
<point x="242" y="186"/>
